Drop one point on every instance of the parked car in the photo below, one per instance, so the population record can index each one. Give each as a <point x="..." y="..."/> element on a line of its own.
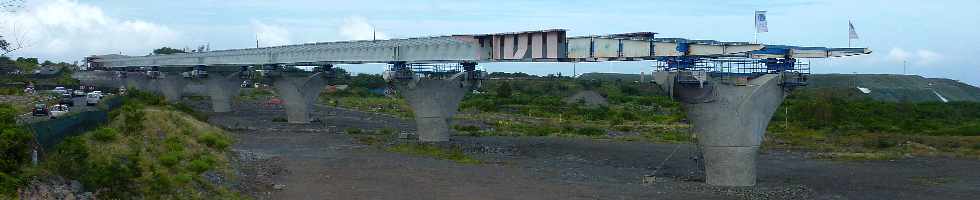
<point x="59" y="110"/>
<point x="40" y="110"/>
<point x="79" y="93"/>
<point x="69" y="101"/>
<point x="59" y="90"/>
<point x="92" y="99"/>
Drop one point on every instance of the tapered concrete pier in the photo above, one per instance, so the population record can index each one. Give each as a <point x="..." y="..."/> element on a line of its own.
<point x="222" y="88"/>
<point x="434" y="102"/>
<point x="172" y="86"/>
<point x="298" y="94"/>
<point x="730" y="121"/>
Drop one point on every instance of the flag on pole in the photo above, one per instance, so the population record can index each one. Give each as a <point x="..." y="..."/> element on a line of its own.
<point x="760" y="22"/>
<point x="852" y="33"/>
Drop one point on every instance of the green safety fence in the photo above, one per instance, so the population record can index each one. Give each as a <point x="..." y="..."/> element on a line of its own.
<point x="50" y="133"/>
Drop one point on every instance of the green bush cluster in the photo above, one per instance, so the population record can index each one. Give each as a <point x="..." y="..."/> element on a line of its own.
<point x="145" y="153"/>
<point x="834" y="112"/>
<point x="15" y="150"/>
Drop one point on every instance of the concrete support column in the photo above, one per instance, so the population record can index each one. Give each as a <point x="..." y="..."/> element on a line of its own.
<point x="730" y="121"/>
<point x="138" y="81"/>
<point x="434" y="103"/>
<point x="298" y="95"/>
<point x="172" y="86"/>
<point x="222" y="88"/>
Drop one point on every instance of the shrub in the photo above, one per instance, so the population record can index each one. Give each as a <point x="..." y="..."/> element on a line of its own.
<point x="201" y="165"/>
<point x="105" y="134"/>
<point x="170" y="159"/>
<point x="353" y="131"/>
<point x="590" y="131"/>
<point x="466" y="128"/>
<point x="214" y="141"/>
<point x="190" y="111"/>
<point x="279" y="119"/>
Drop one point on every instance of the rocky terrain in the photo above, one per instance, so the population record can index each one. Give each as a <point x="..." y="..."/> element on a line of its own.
<point x="319" y="161"/>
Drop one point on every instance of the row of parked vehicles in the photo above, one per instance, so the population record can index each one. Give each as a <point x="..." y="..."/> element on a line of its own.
<point x="66" y="101"/>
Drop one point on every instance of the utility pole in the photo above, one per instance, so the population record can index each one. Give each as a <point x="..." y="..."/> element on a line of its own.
<point x="905" y="67"/>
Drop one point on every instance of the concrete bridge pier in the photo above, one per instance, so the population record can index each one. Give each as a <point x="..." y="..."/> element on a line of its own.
<point x="171" y="84"/>
<point x="435" y="100"/>
<point x="298" y="94"/>
<point x="729" y="120"/>
<point x="222" y="88"/>
<point x="138" y="81"/>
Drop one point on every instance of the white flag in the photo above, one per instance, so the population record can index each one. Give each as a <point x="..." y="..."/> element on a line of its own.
<point x="760" y="22"/>
<point x="852" y="33"/>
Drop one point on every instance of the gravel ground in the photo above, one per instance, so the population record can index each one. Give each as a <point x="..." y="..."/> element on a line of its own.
<point x="317" y="161"/>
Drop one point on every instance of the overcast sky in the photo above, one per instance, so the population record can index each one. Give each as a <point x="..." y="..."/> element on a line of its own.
<point x="936" y="38"/>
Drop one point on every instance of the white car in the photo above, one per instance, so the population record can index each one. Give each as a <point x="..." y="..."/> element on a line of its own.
<point x="59" y="110"/>
<point x="79" y="93"/>
<point x="59" y="90"/>
<point x="92" y="99"/>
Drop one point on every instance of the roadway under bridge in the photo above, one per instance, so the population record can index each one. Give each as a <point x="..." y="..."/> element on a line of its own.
<point x="729" y="89"/>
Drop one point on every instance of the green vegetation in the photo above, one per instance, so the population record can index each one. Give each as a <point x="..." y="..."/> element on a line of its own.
<point x="853" y="127"/>
<point x="429" y="150"/>
<point x="167" y="50"/>
<point x="26" y="66"/>
<point x="148" y="150"/>
<point x="359" y="97"/>
<point x="15" y="151"/>
<point x="255" y="94"/>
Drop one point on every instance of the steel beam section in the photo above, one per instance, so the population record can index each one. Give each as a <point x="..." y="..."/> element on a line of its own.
<point x="782" y="51"/>
<point x="531" y="46"/>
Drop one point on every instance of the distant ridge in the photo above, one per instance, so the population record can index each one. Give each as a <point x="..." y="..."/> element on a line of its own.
<point x="899" y="88"/>
<point x="884" y="87"/>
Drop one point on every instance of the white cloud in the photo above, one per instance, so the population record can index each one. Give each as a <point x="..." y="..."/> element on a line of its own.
<point x="270" y="35"/>
<point x="922" y="57"/>
<point x="358" y="28"/>
<point x="69" y="30"/>
<point x="898" y="54"/>
<point x="926" y="57"/>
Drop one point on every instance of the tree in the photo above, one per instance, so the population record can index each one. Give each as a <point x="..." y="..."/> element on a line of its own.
<point x="167" y="50"/>
<point x="26" y="65"/>
<point x="503" y="91"/>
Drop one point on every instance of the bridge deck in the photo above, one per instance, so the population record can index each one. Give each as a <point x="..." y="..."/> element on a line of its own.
<point x="531" y="46"/>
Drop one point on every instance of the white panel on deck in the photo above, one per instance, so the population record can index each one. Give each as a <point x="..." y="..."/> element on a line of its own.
<point x="636" y="48"/>
<point x="552" y="44"/>
<point x="666" y="49"/>
<point x="497" y="42"/>
<point x="796" y="53"/>
<point x="605" y="48"/>
<point x="537" y="43"/>
<point x="579" y="47"/>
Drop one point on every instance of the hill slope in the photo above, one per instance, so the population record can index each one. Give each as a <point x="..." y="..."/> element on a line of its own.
<point x="898" y="88"/>
<point x="884" y="87"/>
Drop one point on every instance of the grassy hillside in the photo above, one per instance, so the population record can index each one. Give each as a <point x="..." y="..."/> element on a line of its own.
<point x="149" y="150"/>
<point x="897" y="88"/>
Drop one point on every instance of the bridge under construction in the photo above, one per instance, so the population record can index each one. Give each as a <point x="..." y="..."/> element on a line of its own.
<point x="730" y="90"/>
